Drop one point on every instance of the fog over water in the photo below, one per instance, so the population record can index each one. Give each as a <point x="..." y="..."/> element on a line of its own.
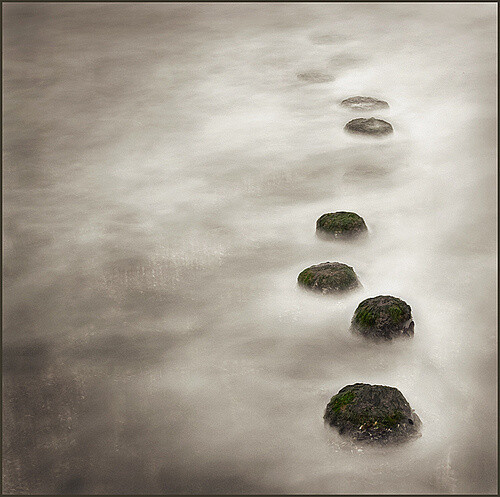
<point x="163" y="171"/>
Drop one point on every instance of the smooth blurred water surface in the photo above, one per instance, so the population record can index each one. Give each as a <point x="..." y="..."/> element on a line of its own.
<point x="163" y="171"/>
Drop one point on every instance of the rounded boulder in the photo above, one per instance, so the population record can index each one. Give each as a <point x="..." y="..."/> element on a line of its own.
<point x="329" y="277"/>
<point x="373" y="413"/>
<point x="384" y="318"/>
<point x="364" y="103"/>
<point x="340" y="224"/>
<point x="370" y="127"/>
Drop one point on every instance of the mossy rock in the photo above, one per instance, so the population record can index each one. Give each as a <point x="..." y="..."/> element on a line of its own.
<point x="372" y="413"/>
<point x="383" y="317"/>
<point x="340" y="225"/>
<point x="315" y="77"/>
<point x="364" y="103"/>
<point x="329" y="277"/>
<point x="372" y="127"/>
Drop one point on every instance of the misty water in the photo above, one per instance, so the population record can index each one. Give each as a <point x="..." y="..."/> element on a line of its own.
<point x="164" y="167"/>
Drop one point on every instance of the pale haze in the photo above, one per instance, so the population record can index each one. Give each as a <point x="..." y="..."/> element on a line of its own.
<point x="163" y="170"/>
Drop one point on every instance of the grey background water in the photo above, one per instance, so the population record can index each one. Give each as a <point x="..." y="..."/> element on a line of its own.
<point x="163" y="171"/>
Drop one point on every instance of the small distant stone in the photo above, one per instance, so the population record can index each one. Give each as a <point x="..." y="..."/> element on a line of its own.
<point x="383" y="317"/>
<point x="315" y="77"/>
<point x="372" y="126"/>
<point x="364" y="103"/>
<point x="340" y="224"/>
<point x="324" y="39"/>
<point x="329" y="277"/>
<point x="362" y="173"/>
<point x="373" y="413"/>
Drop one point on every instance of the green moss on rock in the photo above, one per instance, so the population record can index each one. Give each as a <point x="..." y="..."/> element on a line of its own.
<point x="365" y="318"/>
<point x="340" y="224"/>
<point x="340" y="401"/>
<point x="396" y="313"/>
<point x="372" y="413"/>
<point x="329" y="277"/>
<point x="383" y="317"/>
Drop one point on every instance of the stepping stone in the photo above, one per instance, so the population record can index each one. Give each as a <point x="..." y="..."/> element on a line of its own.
<point x="362" y="173"/>
<point x="324" y="39"/>
<point x="372" y="126"/>
<point x="364" y="103"/>
<point x="340" y="224"/>
<point x="329" y="277"/>
<point x="383" y="318"/>
<point x="315" y="77"/>
<point x="373" y="413"/>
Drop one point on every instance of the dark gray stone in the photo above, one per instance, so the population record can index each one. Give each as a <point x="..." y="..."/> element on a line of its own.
<point x="315" y="77"/>
<point x="329" y="277"/>
<point x="372" y="127"/>
<point x="373" y="413"/>
<point x="340" y="224"/>
<point x="384" y="318"/>
<point x="364" y="103"/>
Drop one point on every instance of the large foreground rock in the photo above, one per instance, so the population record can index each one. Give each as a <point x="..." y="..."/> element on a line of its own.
<point x="372" y="127"/>
<point x="372" y="413"/>
<point x="340" y="224"/>
<point x="383" y="317"/>
<point x="364" y="103"/>
<point x="329" y="277"/>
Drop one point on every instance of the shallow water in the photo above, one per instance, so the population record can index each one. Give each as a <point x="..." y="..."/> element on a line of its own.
<point x="164" y="167"/>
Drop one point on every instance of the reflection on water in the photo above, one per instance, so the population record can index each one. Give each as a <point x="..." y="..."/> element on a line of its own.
<point x="164" y="168"/>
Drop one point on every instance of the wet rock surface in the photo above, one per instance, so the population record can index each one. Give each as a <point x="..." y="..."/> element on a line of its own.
<point x="329" y="277"/>
<point x="364" y="103"/>
<point x="373" y="413"/>
<point x="315" y="77"/>
<point x="340" y="224"/>
<point x="372" y="126"/>
<point x="383" y="318"/>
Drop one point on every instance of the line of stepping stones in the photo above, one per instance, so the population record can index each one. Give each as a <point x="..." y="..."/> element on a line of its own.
<point x="366" y="413"/>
